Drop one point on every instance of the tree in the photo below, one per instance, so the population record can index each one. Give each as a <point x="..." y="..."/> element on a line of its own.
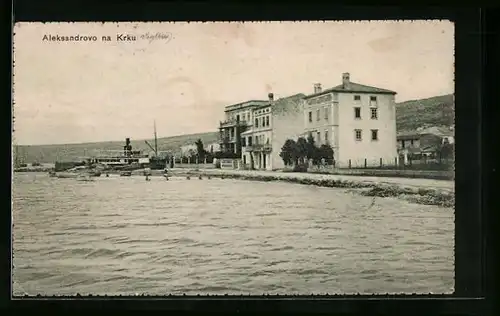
<point x="326" y="152"/>
<point x="446" y="151"/>
<point x="301" y="150"/>
<point x="288" y="152"/>
<point x="311" y="149"/>
<point x="200" y="149"/>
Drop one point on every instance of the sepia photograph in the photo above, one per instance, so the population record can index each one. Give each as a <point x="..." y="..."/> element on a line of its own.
<point x="239" y="158"/>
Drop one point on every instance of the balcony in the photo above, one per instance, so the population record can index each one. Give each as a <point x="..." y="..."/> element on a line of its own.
<point x="227" y="139"/>
<point x="259" y="148"/>
<point x="232" y="123"/>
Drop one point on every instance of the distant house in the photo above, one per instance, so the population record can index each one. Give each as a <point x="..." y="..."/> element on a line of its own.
<point x="423" y="142"/>
<point x="212" y="147"/>
<point x="446" y="134"/>
<point x="188" y="150"/>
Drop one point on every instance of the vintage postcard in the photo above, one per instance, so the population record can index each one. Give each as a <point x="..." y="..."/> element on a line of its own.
<point x="135" y="145"/>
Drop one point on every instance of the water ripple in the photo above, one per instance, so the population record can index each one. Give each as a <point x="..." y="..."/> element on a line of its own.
<point x="125" y="236"/>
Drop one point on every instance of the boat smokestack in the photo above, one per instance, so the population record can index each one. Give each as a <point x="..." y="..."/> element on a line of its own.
<point x="127" y="149"/>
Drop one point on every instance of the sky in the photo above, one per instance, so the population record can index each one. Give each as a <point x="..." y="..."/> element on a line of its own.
<point x="74" y="92"/>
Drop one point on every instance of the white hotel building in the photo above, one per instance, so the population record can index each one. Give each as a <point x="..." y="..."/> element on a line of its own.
<point x="358" y="121"/>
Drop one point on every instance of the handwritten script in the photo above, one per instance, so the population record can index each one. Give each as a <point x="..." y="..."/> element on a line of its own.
<point x="166" y="37"/>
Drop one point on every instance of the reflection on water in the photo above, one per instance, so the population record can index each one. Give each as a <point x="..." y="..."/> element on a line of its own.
<point x="125" y="235"/>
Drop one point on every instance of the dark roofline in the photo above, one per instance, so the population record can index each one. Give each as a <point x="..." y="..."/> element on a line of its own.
<point x="408" y="136"/>
<point x="242" y="104"/>
<point x="270" y="103"/>
<point x="342" y="90"/>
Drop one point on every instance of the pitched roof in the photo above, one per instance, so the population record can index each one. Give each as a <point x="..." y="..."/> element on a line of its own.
<point x="294" y="97"/>
<point x="408" y="135"/>
<point x="437" y="130"/>
<point x="353" y="88"/>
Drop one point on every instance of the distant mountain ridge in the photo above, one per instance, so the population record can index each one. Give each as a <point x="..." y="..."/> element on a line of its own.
<point x="410" y="116"/>
<point x="423" y="113"/>
<point x="70" y="152"/>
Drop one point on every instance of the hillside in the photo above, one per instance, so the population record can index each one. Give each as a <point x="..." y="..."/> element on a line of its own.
<point x="410" y="115"/>
<point x="435" y="111"/>
<point x="51" y="153"/>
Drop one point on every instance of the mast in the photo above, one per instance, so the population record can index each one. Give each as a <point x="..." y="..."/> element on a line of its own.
<point x="16" y="155"/>
<point x="156" y="141"/>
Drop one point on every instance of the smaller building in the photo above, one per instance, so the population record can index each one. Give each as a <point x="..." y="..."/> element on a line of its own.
<point x="212" y="147"/>
<point x="273" y="123"/>
<point x="237" y="119"/>
<point x="423" y="143"/>
<point x="188" y="150"/>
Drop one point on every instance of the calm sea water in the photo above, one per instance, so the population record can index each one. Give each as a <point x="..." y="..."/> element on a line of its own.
<point x="126" y="236"/>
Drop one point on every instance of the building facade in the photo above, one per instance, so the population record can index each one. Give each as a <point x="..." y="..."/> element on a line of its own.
<point x="238" y="117"/>
<point x="212" y="147"/>
<point x="288" y="123"/>
<point x="188" y="150"/>
<point x="425" y="143"/>
<point x="357" y="121"/>
<point x="273" y="123"/>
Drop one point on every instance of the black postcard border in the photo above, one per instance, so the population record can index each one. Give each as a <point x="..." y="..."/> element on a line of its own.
<point x="473" y="148"/>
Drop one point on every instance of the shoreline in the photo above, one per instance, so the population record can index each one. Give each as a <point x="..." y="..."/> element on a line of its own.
<point x="422" y="193"/>
<point x="443" y="197"/>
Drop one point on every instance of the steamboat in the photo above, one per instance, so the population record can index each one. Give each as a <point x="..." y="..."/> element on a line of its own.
<point x="129" y="159"/>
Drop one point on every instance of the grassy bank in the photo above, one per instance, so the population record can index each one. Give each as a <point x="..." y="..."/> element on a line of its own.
<point x="427" y="196"/>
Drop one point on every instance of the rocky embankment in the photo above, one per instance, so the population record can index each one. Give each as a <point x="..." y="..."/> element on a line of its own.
<point x="34" y="169"/>
<point x="439" y="195"/>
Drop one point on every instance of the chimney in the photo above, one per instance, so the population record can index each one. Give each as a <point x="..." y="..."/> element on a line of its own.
<point x="271" y="97"/>
<point x="346" y="80"/>
<point x="317" y="87"/>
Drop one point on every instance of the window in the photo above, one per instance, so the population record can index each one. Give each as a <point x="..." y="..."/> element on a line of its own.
<point x="411" y="142"/>
<point x="238" y="117"/>
<point x="374" y="134"/>
<point x="317" y="115"/>
<point x="318" y="138"/>
<point x="310" y="117"/>
<point x="373" y="113"/>
<point x="357" y="113"/>
<point x="326" y="113"/>
<point x="357" y="98"/>
<point x="326" y="138"/>
<point x="256" y="122"/>
<point x="358" y="134"/>
<point x="243" y="142"/>
<point x="267" y="120"/>
<point x="250" y="141"/>
<point x="373" y="99"/>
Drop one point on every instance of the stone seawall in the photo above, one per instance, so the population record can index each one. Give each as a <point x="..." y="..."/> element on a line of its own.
<point x="440" y="193"/>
